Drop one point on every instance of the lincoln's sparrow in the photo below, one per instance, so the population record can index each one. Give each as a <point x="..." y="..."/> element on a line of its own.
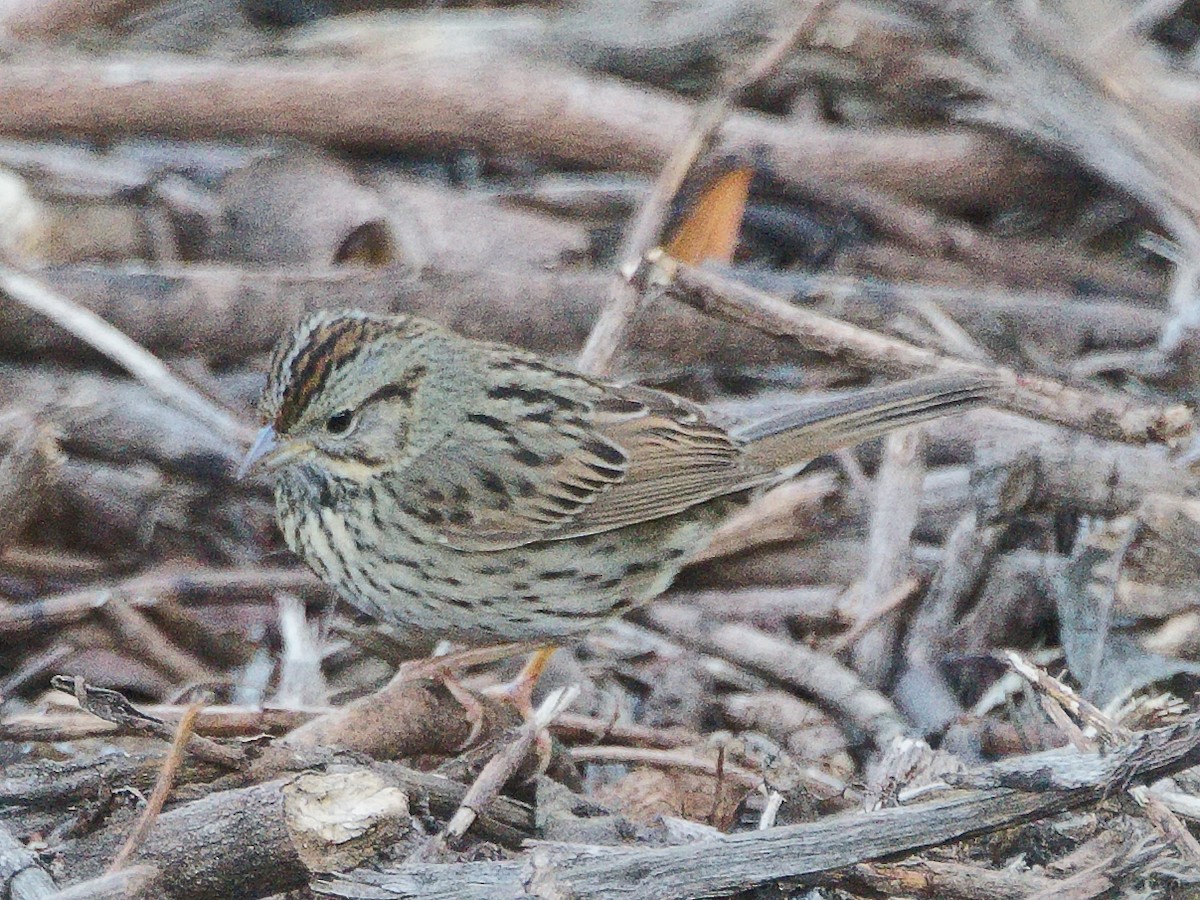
<point x="475" y="492"/>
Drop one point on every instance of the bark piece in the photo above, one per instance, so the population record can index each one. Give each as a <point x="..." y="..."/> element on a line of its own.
<point x="260" y="840"/>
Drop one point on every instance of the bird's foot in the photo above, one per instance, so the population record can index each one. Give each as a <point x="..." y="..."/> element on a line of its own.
<point x="519" y="692"/>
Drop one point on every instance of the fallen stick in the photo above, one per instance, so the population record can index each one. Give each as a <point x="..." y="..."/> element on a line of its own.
<point x="1058" y="781"/>
<point x="113" y="707"/>
<point x="501" y="767"/>
<point x="221" y="311"/>
<point x="415" y="713"/>
<point x="862" y="711"/>
<point x="436" y="103"/>
<point x="894" y="513"/>
<point x="1105" y="415"/>
<point x="143" y="591"/>
<point x="225" y="313"/>
<point x="128" y="354"/>
<point x="212" y="721"/>
<point x="993" y="316"/>
<point x="255" y="721"/>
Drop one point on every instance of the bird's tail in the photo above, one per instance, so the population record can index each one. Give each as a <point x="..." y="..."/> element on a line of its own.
<point x="804" y="434"/>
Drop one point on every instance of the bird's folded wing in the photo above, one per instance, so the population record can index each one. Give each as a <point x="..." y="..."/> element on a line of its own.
<point x="555" y="470"/>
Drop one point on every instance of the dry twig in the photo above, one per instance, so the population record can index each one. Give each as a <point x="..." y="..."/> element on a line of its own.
<point x="501" y="767"/>
<point x="113" y="707"/>
<point x="1104" y="415"/>
<point x="162" y="789"/>
<point x="645" y="231"/>
<point x="140" y="363"/>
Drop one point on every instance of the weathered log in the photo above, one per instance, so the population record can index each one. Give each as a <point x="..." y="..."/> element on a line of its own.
<point x="434" y="103"/>
<point x="260" y="840"/>
<point x="1051" y="782"/>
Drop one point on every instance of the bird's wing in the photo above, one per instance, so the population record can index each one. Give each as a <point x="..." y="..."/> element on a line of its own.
<point x="551" y="455"/>
<point x="677" y="458"/>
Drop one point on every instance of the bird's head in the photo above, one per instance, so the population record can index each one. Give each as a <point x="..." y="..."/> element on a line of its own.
<point x="342" y="393"/>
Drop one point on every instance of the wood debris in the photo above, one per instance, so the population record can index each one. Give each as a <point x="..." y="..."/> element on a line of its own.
<point x="960" y="662"/>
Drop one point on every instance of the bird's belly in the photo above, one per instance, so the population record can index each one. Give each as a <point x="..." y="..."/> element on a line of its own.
<point x="543" y="590"/>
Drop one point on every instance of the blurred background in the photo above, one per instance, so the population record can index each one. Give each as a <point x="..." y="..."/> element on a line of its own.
<point x="1014" y="185"/>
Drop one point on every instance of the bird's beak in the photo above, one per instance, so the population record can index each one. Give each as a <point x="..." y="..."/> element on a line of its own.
<point x="265" y="451"/>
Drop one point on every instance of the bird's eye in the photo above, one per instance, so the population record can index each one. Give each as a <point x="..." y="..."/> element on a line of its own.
<point x="339" y="422"/>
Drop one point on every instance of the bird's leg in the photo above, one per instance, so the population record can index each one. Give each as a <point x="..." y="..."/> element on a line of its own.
<point x="466" y="658"/>
<point x="469" y="702"/>
<point x="519" y="691"/>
